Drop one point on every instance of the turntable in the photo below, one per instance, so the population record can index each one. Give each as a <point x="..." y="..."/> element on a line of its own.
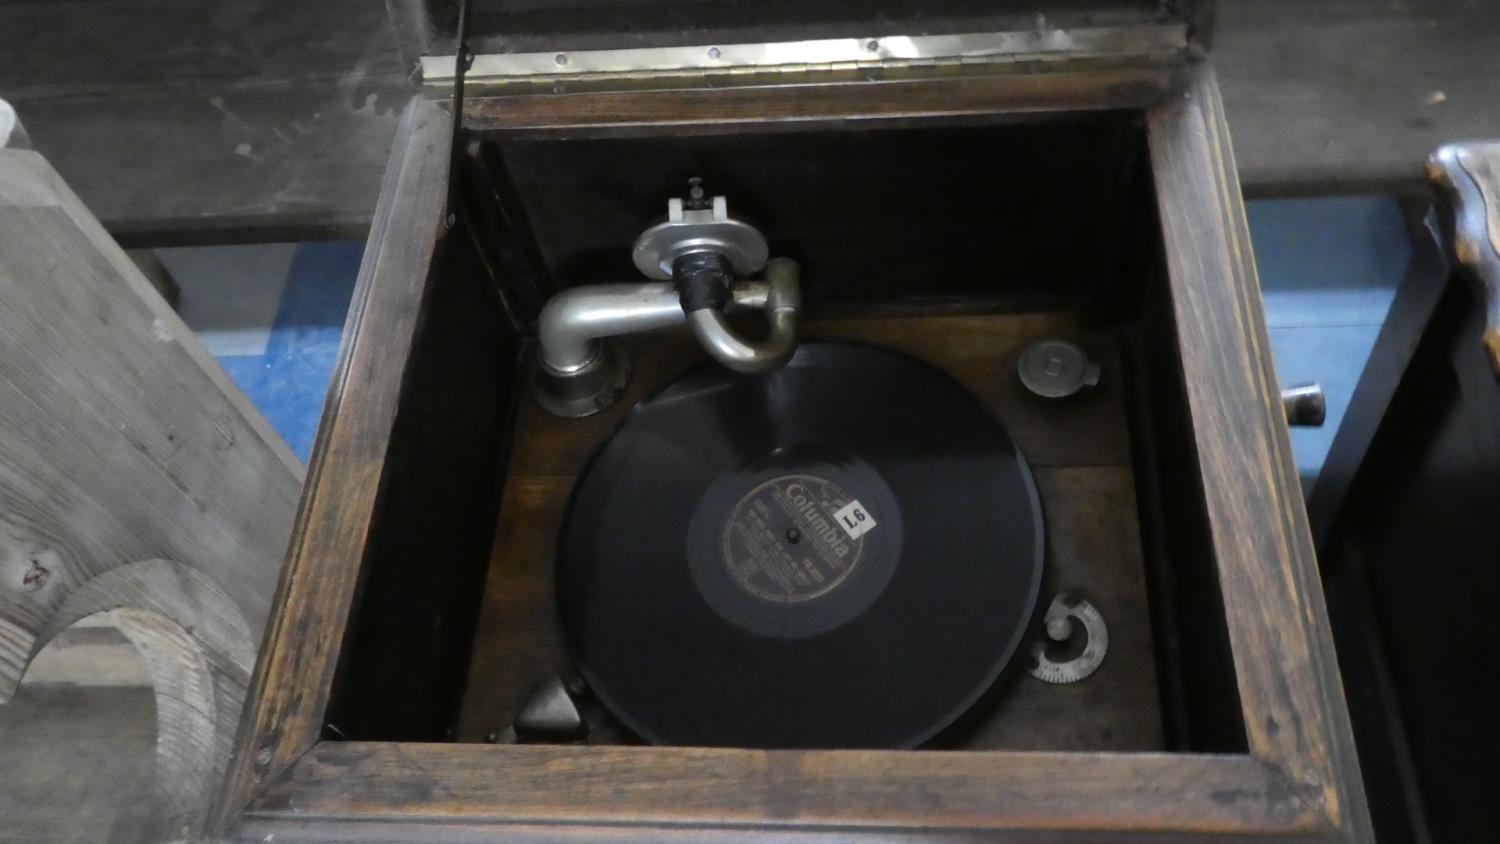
<point x="775" y="537"/>
<point x="809" y="436"/>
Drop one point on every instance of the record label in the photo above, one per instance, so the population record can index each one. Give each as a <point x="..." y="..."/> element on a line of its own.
<point x="766" y="550"/>
<point x="784" y="543"/>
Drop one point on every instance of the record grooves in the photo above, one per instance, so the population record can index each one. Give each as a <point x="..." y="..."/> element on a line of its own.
<point x="846" y="552"/>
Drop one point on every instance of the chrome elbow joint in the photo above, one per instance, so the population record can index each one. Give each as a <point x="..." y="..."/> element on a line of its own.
<point x="582" y="369"/>
<point x="783" y="300"/>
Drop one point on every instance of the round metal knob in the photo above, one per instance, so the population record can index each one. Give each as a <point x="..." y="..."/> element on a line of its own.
<point x="1054" y="369"/>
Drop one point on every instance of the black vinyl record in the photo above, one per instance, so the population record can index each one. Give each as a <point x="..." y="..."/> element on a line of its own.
<point x="846" y="552"/>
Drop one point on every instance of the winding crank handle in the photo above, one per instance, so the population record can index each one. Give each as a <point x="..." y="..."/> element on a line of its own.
<point x="1467" y="176"/>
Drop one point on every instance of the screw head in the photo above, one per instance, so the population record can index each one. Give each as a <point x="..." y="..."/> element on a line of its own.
<point x="35" y="577"/>
<point x="713" y="52"/>
<point x="561" y="58"/>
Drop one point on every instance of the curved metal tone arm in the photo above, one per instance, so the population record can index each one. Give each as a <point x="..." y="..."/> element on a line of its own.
<point x="582" y="373"/>
<point x="574" y="320"/>
<point x="783" y="300"/>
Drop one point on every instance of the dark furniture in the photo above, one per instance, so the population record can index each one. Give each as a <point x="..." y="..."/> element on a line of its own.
<point x="1074" y="172"/>
<point x="1409" y="557"/>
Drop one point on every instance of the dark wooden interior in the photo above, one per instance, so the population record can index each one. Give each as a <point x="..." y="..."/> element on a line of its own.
<point x="1004" y="234"/>
<point x="1079" y="452"/>
<point x="402" y="662"/>
<point x="1031" y="212"/>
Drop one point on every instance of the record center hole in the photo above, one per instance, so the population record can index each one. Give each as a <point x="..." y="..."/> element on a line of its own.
<point x="793" y="535"/>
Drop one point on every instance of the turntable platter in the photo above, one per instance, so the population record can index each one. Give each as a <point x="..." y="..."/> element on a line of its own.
<point x="846" y="552"/>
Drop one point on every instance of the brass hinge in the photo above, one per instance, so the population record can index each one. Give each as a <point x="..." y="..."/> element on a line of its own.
<point x="501" y="73"/>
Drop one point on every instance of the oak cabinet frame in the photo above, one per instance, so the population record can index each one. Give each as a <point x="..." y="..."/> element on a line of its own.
<point x="1299" y="780"/>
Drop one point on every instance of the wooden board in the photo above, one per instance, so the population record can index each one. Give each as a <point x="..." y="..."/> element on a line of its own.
<point x="150" y="127"/>
<point x="300" y="652"/>
<point x="1350" y="95"/>
<point x="366" y="792"/>
<point x="257" y="120"/>
<point x="134" y="476"/>
<point x="1079" y="451"/>
<point x="1264" y="555"/>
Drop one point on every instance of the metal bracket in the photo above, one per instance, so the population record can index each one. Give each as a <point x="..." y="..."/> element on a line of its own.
<point x="871" y="55"/>
<point x="688" y="230"/>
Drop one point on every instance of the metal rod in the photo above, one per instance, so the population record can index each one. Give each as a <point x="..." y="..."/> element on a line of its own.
<point x="574" y="320"/>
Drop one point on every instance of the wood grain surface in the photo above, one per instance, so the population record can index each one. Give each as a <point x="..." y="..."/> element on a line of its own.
<point x="406" y="647"/>
<point x="1295" y="715"/>
<point x="735" y="109"/>
<point x="134" y="476"/>
<point x="289" y="690"/>
<point x="459" y="793"/>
